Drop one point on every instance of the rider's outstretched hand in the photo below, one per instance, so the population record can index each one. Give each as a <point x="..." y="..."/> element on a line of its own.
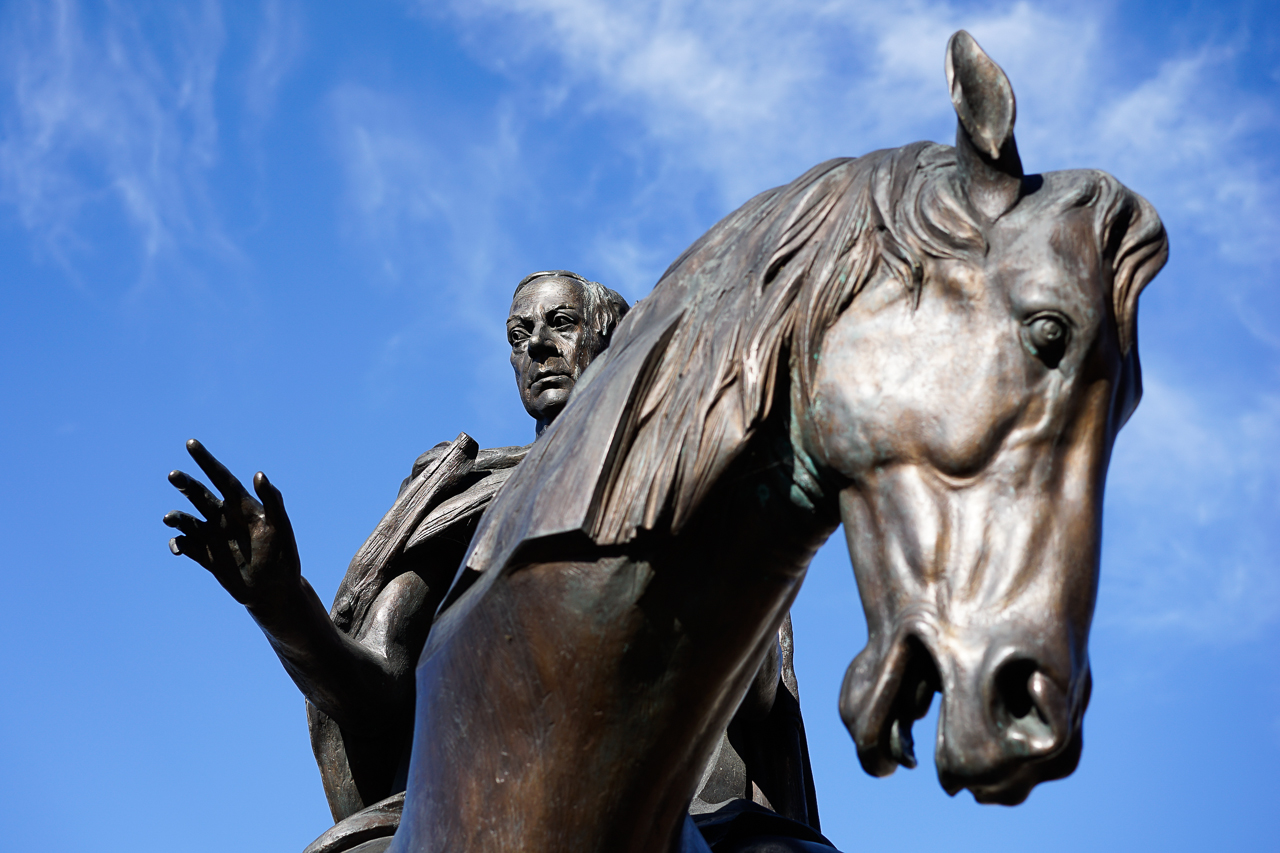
<point x="248" y="546"/>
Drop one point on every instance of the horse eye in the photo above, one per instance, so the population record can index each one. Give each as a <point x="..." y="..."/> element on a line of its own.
<point x="1047" y="338"/>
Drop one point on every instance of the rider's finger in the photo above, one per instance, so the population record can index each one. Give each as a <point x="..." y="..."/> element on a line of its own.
<point x="221" y="478"/>
<point x="194" y="490"/>
<point x="188" y="524"/>
<point x="190" y="546"/>
<point x="272" y="502"/>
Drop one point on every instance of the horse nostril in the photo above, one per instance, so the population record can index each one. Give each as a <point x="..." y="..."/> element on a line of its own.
<point x="1013" y="693"/>
<point x="1030" y="709"/>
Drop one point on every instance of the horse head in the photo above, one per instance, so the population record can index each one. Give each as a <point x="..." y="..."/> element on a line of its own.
<point x="965" y="403"/>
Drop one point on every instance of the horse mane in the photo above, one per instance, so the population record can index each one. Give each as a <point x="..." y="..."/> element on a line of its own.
<point x="692" y="371"/>
<point x="1134" y="245"/>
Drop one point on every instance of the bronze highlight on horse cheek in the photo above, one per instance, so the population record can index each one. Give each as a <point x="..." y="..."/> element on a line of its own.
<point x="866" y="553"/>
<point x="1082" y="466"/>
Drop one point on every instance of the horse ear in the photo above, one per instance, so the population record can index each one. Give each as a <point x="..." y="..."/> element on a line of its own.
<point x="986" y="155"/>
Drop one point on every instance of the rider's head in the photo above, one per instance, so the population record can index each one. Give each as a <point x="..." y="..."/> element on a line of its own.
<point x="559" y="322"/>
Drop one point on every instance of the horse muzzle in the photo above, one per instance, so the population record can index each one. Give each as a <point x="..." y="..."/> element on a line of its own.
<point x="1010" y="718"/>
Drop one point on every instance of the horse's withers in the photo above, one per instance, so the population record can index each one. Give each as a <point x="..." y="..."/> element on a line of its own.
<point x="971" y="417"/>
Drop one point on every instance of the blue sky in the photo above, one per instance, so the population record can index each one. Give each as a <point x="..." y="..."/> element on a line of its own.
<point x="292" y="230"/>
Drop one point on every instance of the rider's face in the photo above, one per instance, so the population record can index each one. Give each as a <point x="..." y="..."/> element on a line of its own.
<point x="550" y="344"/>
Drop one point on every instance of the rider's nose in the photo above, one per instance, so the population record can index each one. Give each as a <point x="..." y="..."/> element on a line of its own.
<point x="541" y="343"/>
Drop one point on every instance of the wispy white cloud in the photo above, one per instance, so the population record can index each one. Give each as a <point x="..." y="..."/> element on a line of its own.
<point x="743" y="87"/>
<point x="97" y="121"/>
<point x="280" y="41"/>
<point x="1185" y="132"/>
<point x="1193" y="507"/>
<point x="409" y="187"/>
<point x="430" y="211"/>
<point x="752" y="92"/>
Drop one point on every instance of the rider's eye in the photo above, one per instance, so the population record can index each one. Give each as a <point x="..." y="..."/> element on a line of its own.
<point x="563" y="321"/>
<point x="1047" y="337"/>
<point x="517" y="336"/>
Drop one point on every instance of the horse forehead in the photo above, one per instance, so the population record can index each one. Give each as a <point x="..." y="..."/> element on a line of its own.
<point x="1055" y="248"/>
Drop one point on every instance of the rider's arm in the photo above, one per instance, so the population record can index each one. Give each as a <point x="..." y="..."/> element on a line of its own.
<point x="248" y="546"/>
<point x="360" y="682"/>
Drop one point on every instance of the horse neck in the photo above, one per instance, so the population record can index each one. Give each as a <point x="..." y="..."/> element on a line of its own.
<point x="747" y="548"/>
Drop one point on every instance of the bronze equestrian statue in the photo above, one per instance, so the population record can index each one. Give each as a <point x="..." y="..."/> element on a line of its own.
<point x="925" y="345"/>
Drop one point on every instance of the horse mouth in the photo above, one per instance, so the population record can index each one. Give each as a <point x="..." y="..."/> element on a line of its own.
<point x="1002" y="729"/>
<point x="1009" y="786"/>
<point x="879" y="708"/>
